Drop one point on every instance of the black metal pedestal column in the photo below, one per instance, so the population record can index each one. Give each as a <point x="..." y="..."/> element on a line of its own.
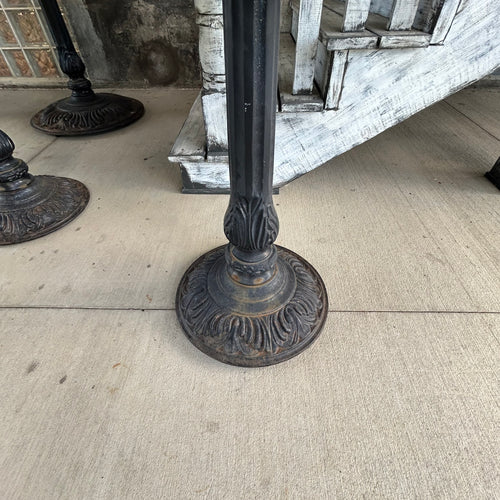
<point x="33" y="206"/>
<point x="494" y="174"/>
<point x="251" y="303"/>
<point x="84" y="112"/>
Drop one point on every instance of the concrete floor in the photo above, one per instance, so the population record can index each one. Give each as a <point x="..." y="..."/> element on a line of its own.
<point x="103" y="397"/>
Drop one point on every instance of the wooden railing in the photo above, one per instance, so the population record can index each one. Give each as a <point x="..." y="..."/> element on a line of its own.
<point x="328" y="29"/>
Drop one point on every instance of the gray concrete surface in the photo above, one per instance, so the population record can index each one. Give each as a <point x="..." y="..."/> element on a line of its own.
<point x="103" y="397"/>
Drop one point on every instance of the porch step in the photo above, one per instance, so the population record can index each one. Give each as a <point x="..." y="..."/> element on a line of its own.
<point x="359" y="86"/>
<point x="374" y="35"/>
<point x="375" y="26"/>
<point x="288" y="102"/>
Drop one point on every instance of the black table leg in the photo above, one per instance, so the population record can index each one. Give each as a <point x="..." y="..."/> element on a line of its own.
<point x="84" y="112"/>
<point x="251" y="303"/>
<point x="494" y="174"/>
<point x="33" y="206"/>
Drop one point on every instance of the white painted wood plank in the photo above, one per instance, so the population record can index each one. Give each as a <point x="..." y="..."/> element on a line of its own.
<point x="293" y="102"/>
<point x="191" y="141"/>
<point x="309" y="17"/>
<point x="336" y="83"/>
<point x="356" y="12"/>
<point x="391" y="39"/>
<point x="323" y="69"/>
<point x="334" y="38"/>
<point x="383" y="87"/>
<point x="404" y="40"/>
<point x="215" y="117"/>
<point x="402" y="14"/>
<point x="211" y="49"/>
<point x="208" y="6"/>
<point x="444" y="21"/>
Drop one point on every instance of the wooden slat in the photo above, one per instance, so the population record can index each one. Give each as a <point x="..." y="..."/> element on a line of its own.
<point x="309" y="18"/>
<point x="356" y="12"/>
<point x="334" y="38"/>
<point x="396" y="39"/>
<point x="191" y="141"/>
<point x="215" y="118"/>
<point x="322" y="70"/>
<point x="445" y="20"/>
<point x="336" y="82"/>
<point x="290" y="102"/>
<point x="402" y="14"/>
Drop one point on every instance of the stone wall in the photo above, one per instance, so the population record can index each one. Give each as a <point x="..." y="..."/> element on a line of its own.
<point x="137" y="42"/>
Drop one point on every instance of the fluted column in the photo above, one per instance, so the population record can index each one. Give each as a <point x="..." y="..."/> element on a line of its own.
<point x="251" y="303"/>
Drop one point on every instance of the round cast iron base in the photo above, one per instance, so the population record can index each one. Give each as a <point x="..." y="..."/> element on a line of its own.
<point x="251" y="326"/>
<point x="39" y="208"/>
<point x="94" y="114"/>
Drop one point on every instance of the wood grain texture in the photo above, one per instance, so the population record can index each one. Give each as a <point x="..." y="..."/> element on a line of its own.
<point x="394" y="39"/>
<point x="336" y="82"/>
<point x="356" y="12"/>
<point x="309" y="17"/>
<point x="290" y="102"/>
<point x="402" y="14"/>
<point x="445" y="17"/>
<point x="190" y="144"/>
<point x="215" y="116"/>
<point x="334" y="38"/>
<point x="323" y="68"/>
<point x="211" y="29"/>
<point x="377" y="92"/>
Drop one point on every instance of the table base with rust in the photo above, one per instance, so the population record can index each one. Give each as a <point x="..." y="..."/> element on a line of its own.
<point x="251" y="303"/>
<point x="33" y="206"/>
<point x="84" y="112"/>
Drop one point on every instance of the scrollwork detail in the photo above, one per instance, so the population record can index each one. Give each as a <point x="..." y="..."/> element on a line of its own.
<point x="233" y="335"/>
<point x="59" y="203"/>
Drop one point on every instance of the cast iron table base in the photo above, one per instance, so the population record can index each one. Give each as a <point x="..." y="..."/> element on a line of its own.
<point x="251" y="326"/>
<point x="33" y="206"/>
<point x="84" y="112"/>
<point x="251" y="303"/>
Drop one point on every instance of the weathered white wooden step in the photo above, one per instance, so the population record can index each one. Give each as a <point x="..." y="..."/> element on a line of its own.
<point x="396" y="39"/>
<point x="375" y="26"/>
<point x="332" y="34"/>
<point x="190" y="144"/>
<point x="288" y="101"/>
<point x="380" y="89"/>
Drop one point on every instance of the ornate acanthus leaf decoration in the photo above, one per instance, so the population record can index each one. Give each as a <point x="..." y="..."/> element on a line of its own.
<point x="251" y="336"/>
<point x="55" y="118"/>
<point x="251" y="224"/>
<point x="54" y="205"/>
<point x="71" y="64"/>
